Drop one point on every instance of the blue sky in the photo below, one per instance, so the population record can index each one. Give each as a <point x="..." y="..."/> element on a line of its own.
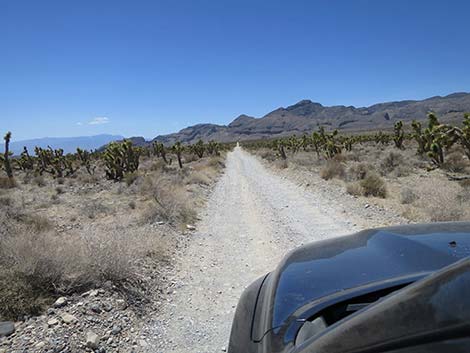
<point x="70" y="68"/>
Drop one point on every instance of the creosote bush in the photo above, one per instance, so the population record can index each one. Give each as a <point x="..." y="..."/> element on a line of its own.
<point x="374" y="185"/>
<point x="332" y="169"/>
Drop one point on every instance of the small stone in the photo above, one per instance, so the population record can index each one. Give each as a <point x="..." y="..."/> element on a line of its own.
<point x="68" y="318"/>
<point x="40" y="345"/>
<point x="92" y="340"/>
<point x="224" y="349"/>
<point x="50" y="311"/>
<point x="143" y="343"/>
<point x="190" y="227"/>
<point x="7" y="328"/>
<point x="52" y="322"/>
<point x="116" y="330"/>
<point x="95" y="308"/>
<point x="107" y="307"/>
<point x="60" y="302"/>
<point x="367" y="205"/>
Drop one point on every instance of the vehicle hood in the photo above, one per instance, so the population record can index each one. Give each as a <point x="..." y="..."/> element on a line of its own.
<point x="324" y="268"/>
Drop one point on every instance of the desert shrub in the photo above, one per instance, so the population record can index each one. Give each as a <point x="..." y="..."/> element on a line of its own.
<point x="216" y="162"/>
<point x="198" y="178"/>
<point x="269" y="155"/>
<point x="129" y="178"/>
<point x="374" y="185"/>
<point x="7" y="183"/>
<point x="391" y="162"/>
<point x="170" y="201"/>
<point x="88" y="178"/>
<point x="35" y="266"/>
<point x="354" y="189"/>
<point x="281" y="163"/>
<point x="132" y="204"/>
<point x="59" y="190"/>
<point x="94" y="208"/>
<point x="5" y="201"/>
<point x="455" y="162"/>
<point x="407" y="196"/>
<point x="440" y="200"/>
<point x="60" y="181"/>
<point x="39" y="180"/>
<point x="332" y="169"/>
<point x="358" y="171"/>
<point x="188" y="158"/>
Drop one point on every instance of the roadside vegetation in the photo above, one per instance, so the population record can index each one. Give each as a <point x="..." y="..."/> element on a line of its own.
<point x="420" y="171"/>
<point x="73" y="222"/>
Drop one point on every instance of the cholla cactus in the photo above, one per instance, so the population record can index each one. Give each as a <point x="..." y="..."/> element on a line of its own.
<point x="121" y="158"/>
<point x="399" y="134"/>
<point x="178" y="149"/>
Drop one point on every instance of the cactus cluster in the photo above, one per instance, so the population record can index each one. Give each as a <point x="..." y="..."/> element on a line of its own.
<point x="55" y="162"/>
<point x="85" y="159"/>
<point x="120" y="158"/>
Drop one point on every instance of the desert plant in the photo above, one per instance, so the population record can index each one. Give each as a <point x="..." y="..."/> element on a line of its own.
<point x="399" y="134"/>
<point x="121" y="158"/>
<point x="198" y="148"/>
<point x="332" y="169"/>
<point x="178" y="149"/>
<point x="374" y="185"/>
<point x="6" y="156"/>
<point x="213" y="148"/>
<point x="85" y="159"/>
<point x="159" y="150"/>
<point x="25" y="162"/>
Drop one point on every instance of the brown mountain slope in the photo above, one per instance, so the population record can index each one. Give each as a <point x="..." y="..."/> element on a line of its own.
<point x="305" y="116"/>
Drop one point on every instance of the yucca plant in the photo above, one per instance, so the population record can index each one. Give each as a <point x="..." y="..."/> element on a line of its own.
<point x="6" y="156"/>
<point x="178" y="149"/>
<point x="85" y="159"/>
<point x="159" y="150"/>
<point x="399" y="134"/>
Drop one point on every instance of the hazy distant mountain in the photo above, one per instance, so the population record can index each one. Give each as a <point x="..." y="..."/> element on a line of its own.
<point x="68" y="144"/>
<point x="305" y="116"/>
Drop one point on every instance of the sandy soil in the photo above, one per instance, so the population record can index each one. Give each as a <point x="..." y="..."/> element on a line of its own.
<point x="253" y="218"/>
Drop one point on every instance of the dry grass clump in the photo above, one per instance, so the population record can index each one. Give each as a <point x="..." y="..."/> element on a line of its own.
<point x="199" y="178"/>
<point x="358" y="171"/>
<point x="7" y="183"/>
<point x="354" y="189"/>
<point x="441" y="201"/>
<point x="39" y="181"/>
<point x="333" y="169"/>
<point x="374" y="185"/>
<point x="34" y="265"/>
<point x="408" y="196"/>
<point x="94" y="208"/>
<point x="370" y="185"/>
<point x="170" y="201"/>
<point x="456" y="162"/>
<point x="391" y="161"/>
<point x="281" y="163"/>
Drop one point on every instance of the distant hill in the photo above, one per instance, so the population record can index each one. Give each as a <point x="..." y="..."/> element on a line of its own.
<point x="305" y="116"/>
<point x="68" y="144"/>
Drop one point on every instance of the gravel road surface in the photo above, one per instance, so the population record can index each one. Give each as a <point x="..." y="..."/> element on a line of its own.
<point x="252" y="219"/>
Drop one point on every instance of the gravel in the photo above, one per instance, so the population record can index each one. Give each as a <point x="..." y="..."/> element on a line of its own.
<point x="253" y="218"/>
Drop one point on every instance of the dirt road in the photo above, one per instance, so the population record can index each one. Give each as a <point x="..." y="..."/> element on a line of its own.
<point x="252" y="220"/>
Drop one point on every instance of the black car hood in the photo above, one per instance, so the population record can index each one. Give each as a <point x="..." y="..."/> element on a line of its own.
<point x="324" y="268"/>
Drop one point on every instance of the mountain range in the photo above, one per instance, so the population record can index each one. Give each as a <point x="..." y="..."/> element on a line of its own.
<point x="305" y="116"/>
<point x="68" y="144"/>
